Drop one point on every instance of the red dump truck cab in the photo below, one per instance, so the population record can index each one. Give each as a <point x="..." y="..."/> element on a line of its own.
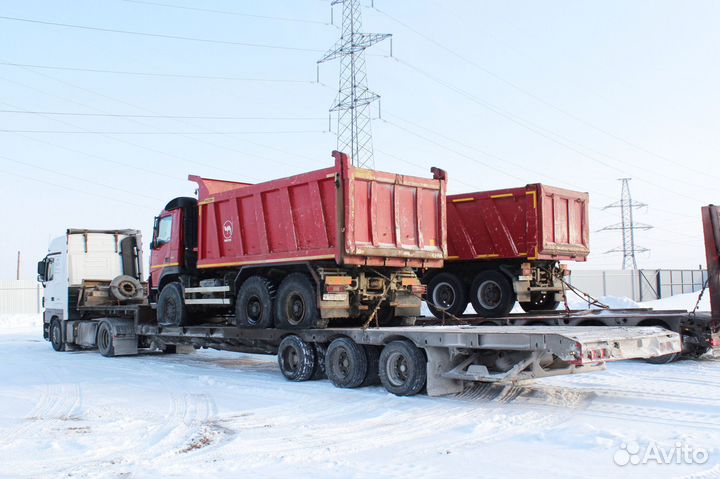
<point x="505" y="245"/>
<point x="340" y="242"/>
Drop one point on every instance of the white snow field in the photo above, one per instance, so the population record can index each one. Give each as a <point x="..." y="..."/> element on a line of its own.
<point x="221" y="414"/>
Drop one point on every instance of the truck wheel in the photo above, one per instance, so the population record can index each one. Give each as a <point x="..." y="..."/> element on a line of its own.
<point x="446" y="294"/>
<point x="403" y="368"/>
<point x="296" y="304"/>
<point x="540" y="302"/>
<point x="56" y="336"/>
<point x="254" y="304"/>
<point x="492" y="294"/>
<point x="346" y="363"/>
<point x="171" y="309"/>
<point x="105" y="340"/>
<point x="372" y="377"/>
<point x="296" y="359"/>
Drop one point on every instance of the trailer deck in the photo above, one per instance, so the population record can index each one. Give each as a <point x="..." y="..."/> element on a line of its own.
<point x="448" y="355"/>
<point x="700" y="331"/>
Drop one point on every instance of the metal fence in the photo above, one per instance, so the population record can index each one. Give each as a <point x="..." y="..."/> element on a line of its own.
<point x="640" y="285"/>
<point x="20" y="297"/>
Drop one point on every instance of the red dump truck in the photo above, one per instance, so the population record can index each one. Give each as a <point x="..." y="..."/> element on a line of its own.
<point x="505" y="246"/>
<point x="340" y="242"/>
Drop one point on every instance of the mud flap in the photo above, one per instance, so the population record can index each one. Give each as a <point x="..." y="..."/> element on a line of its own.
<point x="440" y="362"/>
<point x="125" y="340"/>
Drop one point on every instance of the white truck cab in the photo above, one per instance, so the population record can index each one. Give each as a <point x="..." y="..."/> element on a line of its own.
<point x="87" y="256"/>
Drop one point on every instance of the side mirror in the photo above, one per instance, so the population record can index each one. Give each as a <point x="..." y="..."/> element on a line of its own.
<point x="41" y="270"/>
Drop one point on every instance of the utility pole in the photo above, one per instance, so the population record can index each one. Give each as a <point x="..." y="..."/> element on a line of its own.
<point x="17" y="274"/>
<point x="627" y="225"/>
<point x="354" y="133"/>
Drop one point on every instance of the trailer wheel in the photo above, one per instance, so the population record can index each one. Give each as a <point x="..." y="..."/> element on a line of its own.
<point x="254" y="304"/>
<point x="540" y="302"/>
<point x="171" y="310"/>
<point x="346" y="363"/>
<point x="403" y="368"/>
<point x="56" y="336"/>
<point x="320" y="352"/>
<point x="296" y="304"/>
<point x="446" y="294"/>
<point x="105" y="340"/>
<point x="296" y="359"/>
<point x="492" y="295"/>
<point x="372" y="376"/>
<point x="665" y="359"/>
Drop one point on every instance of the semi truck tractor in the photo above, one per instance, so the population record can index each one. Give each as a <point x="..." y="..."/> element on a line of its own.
<point x="506" y="246"/>
<point x="340" y="243"/>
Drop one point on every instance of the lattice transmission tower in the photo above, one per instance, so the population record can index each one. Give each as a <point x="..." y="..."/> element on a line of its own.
<point x="627" y="225"/>
<point x="354" y="133"/>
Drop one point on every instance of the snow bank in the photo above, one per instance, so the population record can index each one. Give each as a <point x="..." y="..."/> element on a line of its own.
<point x="680" y="301"/>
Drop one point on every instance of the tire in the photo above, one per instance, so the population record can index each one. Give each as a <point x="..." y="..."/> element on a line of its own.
<point x="446" y="294"/>
<point x="105" y="340"/>
<point x="666" y="359"/>
<point x="372" y="376"/>
<point x="540" y="302"/>
<point x="492" y="295"/>
<point x="346" y="363"/>
<point x="254" y="304"/>
<point x="403" y="368"/>
<point x="296" y="358"/>
<point x="56" y="335"/>
<point x="296" y="304"/>
<point x="320" y="352"/>
<point x="171" y="310"/>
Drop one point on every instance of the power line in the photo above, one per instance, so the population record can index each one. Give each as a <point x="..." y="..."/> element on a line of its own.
<point x="159" y="35"/>
<point x="228" y="12"/>
<point x="83" y="192"/>
<point x="162" y="75"/>
<point x="539" y="130"/>
<point x="174" y="117"/>
<point x="540" y="99"/>
<point x="86" y="180"/>
<point x="495" y="157"/>
<point x="98" y="132"/>
<point x="136" y="145"/>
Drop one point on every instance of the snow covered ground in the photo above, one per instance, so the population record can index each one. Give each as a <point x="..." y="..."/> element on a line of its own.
<point x="207" y="414"/>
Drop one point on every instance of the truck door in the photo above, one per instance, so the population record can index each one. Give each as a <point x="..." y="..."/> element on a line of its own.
<point x="165" y="245"/>
<point x="56" y="286"/>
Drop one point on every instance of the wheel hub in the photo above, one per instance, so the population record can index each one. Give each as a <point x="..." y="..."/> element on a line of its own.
<point x="443" y="296"/>
<point x="490" y="295"/>
<point x="296" y="309"/>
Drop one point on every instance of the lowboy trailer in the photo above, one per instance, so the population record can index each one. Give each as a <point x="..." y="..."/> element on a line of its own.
<point x="94" y="298"/>
<point x="404" y="359"/>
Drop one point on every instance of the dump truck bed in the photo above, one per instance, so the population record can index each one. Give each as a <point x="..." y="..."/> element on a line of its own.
<point x="534" y="222"/>
<point x="349" y="215"/>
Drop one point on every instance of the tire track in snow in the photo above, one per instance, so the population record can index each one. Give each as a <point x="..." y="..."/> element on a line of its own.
<point x="58" y="403"/>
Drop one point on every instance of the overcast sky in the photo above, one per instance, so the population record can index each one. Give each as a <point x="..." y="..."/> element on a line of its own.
<point x="570" y="93"/>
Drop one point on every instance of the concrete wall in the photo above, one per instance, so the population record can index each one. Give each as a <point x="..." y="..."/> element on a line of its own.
<point x="20" y="297"/>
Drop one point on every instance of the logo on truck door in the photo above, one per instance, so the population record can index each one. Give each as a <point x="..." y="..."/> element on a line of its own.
<point x="228" y="231"/>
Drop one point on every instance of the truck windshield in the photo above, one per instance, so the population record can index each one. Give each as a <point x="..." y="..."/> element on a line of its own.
<point x="164" y="233"/>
